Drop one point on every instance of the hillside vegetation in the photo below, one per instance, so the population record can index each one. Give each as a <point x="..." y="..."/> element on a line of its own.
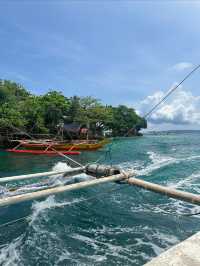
<point x="42" y="114"/>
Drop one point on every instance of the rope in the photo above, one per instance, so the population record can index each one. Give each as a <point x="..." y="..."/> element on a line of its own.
<point x="165" y="97"/>
<point x="171" y="91"/>
<point x="59" y="153"/>
<point x="67" y="157"/>
<point x="15" y="221"/>
<point x="21" y="131"/>
<point x="108" y="152"/>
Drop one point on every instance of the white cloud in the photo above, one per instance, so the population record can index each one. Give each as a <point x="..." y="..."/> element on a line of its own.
<point x="182" y="66"/>
<point x="183" y="108"/>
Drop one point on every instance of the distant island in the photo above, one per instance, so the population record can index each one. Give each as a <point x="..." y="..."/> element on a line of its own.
<point x="46" y="114"/>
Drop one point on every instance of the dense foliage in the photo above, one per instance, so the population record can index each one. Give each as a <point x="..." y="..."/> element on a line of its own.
<point x="42" y="114"/>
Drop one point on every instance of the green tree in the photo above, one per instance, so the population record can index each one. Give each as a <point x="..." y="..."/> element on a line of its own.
<point x="74" y="111"/>
<point x="94" y="114"/>
<point x="10" y="115"/>
<point x="11" y="91"/>
<point x="54" y="108"/>
<point x="124" y="119"/>
<point x="32" y="112"/>
<point x="42" y="114"/>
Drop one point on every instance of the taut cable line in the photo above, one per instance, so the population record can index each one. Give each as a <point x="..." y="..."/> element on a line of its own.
<point x="171" y="91"/>
<point x="166" y="96"/>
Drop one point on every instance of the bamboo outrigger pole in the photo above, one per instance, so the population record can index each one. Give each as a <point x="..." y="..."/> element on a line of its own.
<point x="92" y="169"/>
<point x="108" y="174"/>
<point x="167" y="191"/>
<point x="69" y="172"/>
<point x="51" y="191"/>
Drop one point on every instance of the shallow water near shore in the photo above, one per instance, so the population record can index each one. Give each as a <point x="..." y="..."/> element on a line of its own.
<point x="126" y="227"/>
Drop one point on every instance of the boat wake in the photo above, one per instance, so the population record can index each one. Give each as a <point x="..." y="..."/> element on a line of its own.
<point x="99" y="238"/>
<point x="11" y="254"/>
<point x="156" y="162"/>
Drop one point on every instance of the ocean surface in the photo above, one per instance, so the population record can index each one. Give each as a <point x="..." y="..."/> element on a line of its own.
<point x="118" y="224"/>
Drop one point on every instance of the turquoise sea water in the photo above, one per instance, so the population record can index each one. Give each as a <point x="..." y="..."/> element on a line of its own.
<point x="125" y="227"/>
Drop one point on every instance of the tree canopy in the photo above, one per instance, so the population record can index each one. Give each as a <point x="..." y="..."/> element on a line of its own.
<point x="42" y="114"/>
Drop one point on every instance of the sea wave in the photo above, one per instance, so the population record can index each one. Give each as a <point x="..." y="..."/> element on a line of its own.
<point x="126" y="228"/>
<point x="157" y="162"/>
<point x="10" y="253"/>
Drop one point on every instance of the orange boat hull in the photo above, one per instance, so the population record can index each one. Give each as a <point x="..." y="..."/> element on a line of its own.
<point x="67" y="146"/>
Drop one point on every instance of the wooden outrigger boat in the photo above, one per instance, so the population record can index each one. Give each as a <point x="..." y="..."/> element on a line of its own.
<point x="50" y="147"/>
<point x="75" y="146"/>
<point x="46" y="150"/>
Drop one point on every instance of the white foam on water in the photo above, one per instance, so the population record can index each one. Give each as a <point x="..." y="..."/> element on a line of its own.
<point x="60" y="179"/>
<point x="10" y="254"/>
<point x="46" y="183"/>
<point x="186" y="181"/>
<point x="160" y="241"/>
<point x="170" y="207"/>
<point x="3" y="191"/>
<point x="108" y="248"/>
<point x="190" y="158"/>
<point x="157" y="241"/>
<point x="28" y="188"/>
<point x="61" y="166"/>
<point x="140" y="238"/>
<point x="52" y="181"/>
<point x="190" y="182"/>
<point x="157" y="161"/>
<point x="106" y="230"/>
<point x="40" y="207"/>
<point x="65" y="255"/>
<point x="173" y="149"/>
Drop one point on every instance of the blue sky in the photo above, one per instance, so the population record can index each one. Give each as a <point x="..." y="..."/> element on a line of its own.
<point x="118" y="51"/>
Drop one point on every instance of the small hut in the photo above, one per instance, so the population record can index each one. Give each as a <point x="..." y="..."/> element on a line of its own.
<point x="76" y="130"/>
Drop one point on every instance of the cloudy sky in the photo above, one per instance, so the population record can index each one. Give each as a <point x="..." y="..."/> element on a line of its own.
<point x="122" y="52"/>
